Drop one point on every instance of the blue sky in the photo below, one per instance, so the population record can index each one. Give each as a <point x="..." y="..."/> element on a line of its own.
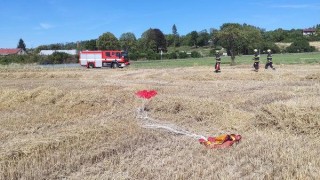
<point x="42" y="22"/>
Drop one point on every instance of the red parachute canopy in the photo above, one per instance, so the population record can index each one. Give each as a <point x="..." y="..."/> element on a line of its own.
<point x="146" y="94"/>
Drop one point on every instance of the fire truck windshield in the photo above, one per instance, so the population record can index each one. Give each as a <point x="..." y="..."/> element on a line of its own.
<point x="125" y="55"/>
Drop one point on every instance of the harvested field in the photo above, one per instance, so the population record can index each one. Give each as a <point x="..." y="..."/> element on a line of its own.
<point x="82" y="123"/>
<point x="316" y="44"/>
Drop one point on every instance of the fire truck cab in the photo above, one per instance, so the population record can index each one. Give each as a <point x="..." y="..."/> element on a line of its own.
<point x="104" y="58"/>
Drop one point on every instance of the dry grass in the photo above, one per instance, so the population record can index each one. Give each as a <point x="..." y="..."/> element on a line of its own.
<point x="283" y="45"/>
<point x="82" y="124"/>
<point x="316" y="44"/>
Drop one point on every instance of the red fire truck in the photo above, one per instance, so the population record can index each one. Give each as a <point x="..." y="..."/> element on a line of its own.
<point x="104" y="58"/>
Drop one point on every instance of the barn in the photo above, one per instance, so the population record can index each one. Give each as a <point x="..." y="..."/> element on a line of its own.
<point x="15" y="51"/>
<point x="49" y="52"/>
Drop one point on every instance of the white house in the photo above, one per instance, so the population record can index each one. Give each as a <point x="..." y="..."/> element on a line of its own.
<point x="309" y="31"/>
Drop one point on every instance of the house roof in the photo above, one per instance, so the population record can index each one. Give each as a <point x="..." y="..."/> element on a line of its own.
<point x="9" y="51"/>
<point x="309" y="30"/>
<point x="49" y="52"/>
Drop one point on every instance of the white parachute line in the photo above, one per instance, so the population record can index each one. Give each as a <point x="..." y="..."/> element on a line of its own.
<point x="170" y="129"/>
<point x="151" y="123"/>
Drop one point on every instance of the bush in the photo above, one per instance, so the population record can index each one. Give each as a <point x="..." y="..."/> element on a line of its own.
<point x="195" y="54"/>
<point x="20" y="59"/>
<point x="183" y="55"/>
<point x="269" y="45"/>
<point x="133" y="56"/>
<point x="300" y="45"/>
<point x="58" y="57"/>
<point x="212" y="52"/>
<point x="44" y="61"/>
<point x="172" y="55"/>
<point x="153" y="56"/>
<point x="34" y="58"/>
<point x="4" y="60"/>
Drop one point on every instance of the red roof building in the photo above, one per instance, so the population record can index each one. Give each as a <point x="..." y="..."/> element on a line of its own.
<point x="16" y="51"/>
<point x="309" y="31"/>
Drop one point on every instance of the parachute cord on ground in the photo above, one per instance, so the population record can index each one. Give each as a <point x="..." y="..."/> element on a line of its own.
<point x="148" y="122"/>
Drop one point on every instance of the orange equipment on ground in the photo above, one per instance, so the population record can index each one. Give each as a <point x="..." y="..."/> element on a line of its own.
<point x="222" y="141"/>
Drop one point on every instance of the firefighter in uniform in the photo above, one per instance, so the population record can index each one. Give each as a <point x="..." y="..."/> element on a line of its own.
<point x="218" y="62"/>
<point x="269" y="60"/>
<point x="256" y="60"/>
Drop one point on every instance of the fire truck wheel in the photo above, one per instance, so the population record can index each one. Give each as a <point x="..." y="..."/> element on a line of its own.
<point x="114" y="65"/>
<point x="90" y="65"/>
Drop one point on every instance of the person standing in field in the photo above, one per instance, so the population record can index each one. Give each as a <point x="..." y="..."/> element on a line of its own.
<point x="269" y="60"/>
<point x="218" y="62"/>
<point x="256" y="59"/>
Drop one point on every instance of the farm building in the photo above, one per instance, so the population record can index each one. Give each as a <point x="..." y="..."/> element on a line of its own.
<point x="309" y="31"/>
<point x="15" y="51"/>
<point x="49" y="52"/>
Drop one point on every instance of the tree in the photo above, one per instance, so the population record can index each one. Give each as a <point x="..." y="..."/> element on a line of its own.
<point x="279" y="35"/>
<point x="170" y="40"/>
<point x="174" y="30"/>
<point x="58" y="58"/>
<point x="190" y="39"/>
<point x="107" y="41"/>
<point x="128" y="41"/>
<point x="175" y="35"/>
<point x="251" y="39"/>
<point x="239" y="39"/>
<point x="203" y="38"/>
<point x="55" y="46"/>
<point x="21" y="45"/>
<point x="153" y="39"/>
<point x="213" y="37"/>
<point x="193" y="38"/>
<point x="230" y="38"/>
<point x="89" y="45"/>
<point x="293" y="35"/>
<point x="41" y="47"/>
<point x="265" y="45"/>
<point x="70" y="45"/>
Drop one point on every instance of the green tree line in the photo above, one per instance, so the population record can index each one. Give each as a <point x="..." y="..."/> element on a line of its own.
<point x="55" y="58"/>
<point x="234" y="38"/>
<point x="245" y="39"/>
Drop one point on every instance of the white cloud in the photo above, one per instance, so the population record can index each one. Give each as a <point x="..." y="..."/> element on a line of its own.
<point x="46" y="26"/>
<point x="298" y="6"/>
